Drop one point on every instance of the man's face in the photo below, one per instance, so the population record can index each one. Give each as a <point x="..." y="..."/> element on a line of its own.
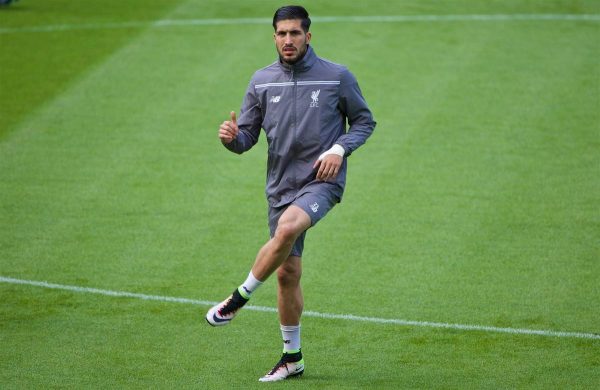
<point x="290" y="40"/>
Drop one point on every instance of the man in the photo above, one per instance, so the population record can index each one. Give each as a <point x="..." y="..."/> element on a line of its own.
<point x="302" y="102"/>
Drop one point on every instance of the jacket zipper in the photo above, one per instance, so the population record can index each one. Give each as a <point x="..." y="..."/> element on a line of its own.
<point x="294" y="102"/>
<point x="294" y="124"/>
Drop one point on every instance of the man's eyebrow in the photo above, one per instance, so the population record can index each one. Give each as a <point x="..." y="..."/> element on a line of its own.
<point x="294" y="30"/>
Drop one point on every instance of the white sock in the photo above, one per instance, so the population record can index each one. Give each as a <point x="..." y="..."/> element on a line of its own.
<point x="291" y="338"/>
<point x="248" y="287"/>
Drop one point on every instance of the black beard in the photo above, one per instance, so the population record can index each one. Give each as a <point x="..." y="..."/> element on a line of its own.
<point x="294" y="61"/>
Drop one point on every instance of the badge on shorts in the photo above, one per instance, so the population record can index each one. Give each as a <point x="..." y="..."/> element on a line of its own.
<point x="314" y="207"/>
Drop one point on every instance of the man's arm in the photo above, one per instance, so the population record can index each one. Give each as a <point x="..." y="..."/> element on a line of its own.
<point x="353" y="105"/>
<point x="240" y="135"/>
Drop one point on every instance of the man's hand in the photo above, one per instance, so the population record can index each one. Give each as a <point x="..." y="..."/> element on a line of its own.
<point x="228" y="130"/>
<point x="329" y="167"/>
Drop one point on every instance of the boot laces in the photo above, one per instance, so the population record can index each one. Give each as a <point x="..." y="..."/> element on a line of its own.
<point x="279" y="364"/>
<point x="229" y="308"/>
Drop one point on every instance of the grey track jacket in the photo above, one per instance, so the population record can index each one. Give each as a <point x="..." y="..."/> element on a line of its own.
<point x="303" y="110"/>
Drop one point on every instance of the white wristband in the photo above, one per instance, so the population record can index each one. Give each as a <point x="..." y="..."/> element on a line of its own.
<point x="335" y="149"/>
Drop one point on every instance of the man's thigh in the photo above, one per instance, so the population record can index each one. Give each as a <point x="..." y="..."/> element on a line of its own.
<point x="316" y="203"/>
<point x="290" y="214"/>
<point x="313" y="204"/>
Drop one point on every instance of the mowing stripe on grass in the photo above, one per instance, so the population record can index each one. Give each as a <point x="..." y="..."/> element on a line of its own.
<point x="318" y="19"/>
<point x="348" y="317"/>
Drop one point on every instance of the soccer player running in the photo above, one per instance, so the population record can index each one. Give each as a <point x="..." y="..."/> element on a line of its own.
<point x="303" y="103"/>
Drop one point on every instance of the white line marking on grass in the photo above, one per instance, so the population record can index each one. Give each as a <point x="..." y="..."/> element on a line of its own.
<point x="318" y="19"/>
<point x="347" y="317"/>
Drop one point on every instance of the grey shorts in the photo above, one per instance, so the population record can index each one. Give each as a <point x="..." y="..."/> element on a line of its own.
<point x="316" y="203"/>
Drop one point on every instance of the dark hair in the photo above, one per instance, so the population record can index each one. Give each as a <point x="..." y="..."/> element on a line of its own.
<point x="292" y="12"/>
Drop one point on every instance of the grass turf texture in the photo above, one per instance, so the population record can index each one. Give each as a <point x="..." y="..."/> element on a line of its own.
<point x="475" y="202"/>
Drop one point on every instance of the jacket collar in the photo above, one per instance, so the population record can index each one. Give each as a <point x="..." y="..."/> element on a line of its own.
<point x="304" y="64"/>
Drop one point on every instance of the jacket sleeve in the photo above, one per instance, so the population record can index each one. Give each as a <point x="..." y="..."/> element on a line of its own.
<point x="353" y="105"/>
<point x="249" y="123"/>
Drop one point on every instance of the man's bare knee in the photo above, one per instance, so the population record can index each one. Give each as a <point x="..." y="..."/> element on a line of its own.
<point x="287" y="232"/>
<point x="292" y="223"/>
<point x="289" y="273"/>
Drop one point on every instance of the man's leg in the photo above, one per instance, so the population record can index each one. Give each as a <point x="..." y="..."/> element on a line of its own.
<point x="290" y="304"/>
<point x="292" y="223"/>
<point x="290" y="301"/>
<point x="289" y="292"/>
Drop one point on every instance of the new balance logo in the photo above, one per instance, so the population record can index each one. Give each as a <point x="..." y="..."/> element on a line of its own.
<point x="314" y="207"/>
<point x="315" y="98"/>
<point x="275" y="99"/>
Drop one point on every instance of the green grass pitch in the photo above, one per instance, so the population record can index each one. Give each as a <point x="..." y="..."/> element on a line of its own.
<point x="475" y="202"/>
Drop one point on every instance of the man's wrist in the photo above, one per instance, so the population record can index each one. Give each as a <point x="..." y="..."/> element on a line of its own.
<point x="335" y="149"/>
